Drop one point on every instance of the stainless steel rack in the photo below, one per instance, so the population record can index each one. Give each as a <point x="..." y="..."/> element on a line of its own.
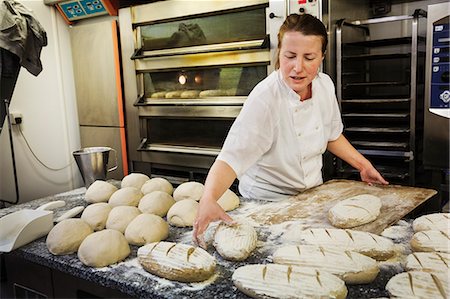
<point x="380" y="91"/>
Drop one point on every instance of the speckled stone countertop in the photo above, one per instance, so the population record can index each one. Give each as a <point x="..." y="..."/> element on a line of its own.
<point x="130" y="278"/>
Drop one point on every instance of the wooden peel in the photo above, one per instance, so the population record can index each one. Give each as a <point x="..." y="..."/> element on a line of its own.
<point x="311" y="206"/>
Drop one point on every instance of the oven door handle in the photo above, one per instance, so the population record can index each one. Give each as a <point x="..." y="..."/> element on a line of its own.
<point x="225" y="47"/>
<point x="177" y="149"/>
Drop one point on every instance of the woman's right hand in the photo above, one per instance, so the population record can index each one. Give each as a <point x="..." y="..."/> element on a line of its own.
<point x="208" y="211"/>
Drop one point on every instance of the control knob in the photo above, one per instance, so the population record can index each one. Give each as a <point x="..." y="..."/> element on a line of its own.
<point x="445" y="96"/>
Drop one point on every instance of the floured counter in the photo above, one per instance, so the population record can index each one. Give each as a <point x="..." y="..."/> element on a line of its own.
<point x="277" y="224"/>
<point x="311" y="207"/>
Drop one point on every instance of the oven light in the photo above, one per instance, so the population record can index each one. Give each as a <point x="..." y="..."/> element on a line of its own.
<point x="182" y="79"/>
<point x="198" y="79"/>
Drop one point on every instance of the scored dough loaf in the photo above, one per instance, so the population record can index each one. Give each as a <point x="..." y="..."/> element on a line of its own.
<point x="188" y="190"/>
<point x="176" y="261"/>
<point x="418" y="284"/>
<point x="355" y="211"/>
<point x="159" y="94"/>
<point x="99" y="191"/>
<point x="66" y="236"/>
<point x="352" y="267"/>
<point x="430" y="240"/>
<point x="283" y="281"/>
<point x="369" y="244"/>
<point x="436" y="221"/>
<point x="235" y="242"/>
<point x="428" y="262"/>
<point x="212" y="93"/>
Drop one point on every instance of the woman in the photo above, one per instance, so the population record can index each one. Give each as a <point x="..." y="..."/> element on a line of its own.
<point x="289" y="119"/>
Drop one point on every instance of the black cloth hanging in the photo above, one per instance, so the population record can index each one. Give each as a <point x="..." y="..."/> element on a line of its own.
<point x="21" y="40"/>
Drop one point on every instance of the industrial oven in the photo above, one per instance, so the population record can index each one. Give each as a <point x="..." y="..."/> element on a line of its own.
<point x="188" y="67"/>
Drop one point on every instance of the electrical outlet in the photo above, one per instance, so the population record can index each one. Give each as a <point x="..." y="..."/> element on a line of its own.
<point x="16" y="118"/>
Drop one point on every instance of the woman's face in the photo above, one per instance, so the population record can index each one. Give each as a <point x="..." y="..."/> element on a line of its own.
<point x="300" y="59"/>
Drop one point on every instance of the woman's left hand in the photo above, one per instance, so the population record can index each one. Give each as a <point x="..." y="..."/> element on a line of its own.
<point x="371" y="176"/>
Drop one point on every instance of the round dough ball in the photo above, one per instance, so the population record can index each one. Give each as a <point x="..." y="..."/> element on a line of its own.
<point x="135" y="180"/>
<point x="99" y="191"/>
<point x="183" y="213"/>
<point x="120" y="217"/>
<point x="146" y="228"/>
<point x="157" y="202"/>
<point x="96" y="215"/>
<point x="127" y="196"/>
<point x="103" y="248"/>
<point x="188" y="190"/>
<point x="229" y="201"/>
<point x="157" y="184"/>
<point x="66" y="236"/>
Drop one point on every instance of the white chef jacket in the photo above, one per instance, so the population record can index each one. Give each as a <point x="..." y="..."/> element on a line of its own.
<point x="276" y="143"/>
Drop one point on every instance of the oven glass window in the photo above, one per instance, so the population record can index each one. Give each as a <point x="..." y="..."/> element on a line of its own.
<point x="203" y="83"/>
<point x="206" y="30"/>
<point x="188" y="132"/>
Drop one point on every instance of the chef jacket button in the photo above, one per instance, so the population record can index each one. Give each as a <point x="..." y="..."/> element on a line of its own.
<point x="299" y="134"/>
<point x="317" y="128"/>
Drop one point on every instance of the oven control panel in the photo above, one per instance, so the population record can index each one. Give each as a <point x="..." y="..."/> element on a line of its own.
<point x="306" y="6"/>
<point x="440" y="67"/>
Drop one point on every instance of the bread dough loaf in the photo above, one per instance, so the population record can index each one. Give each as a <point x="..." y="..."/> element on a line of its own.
<point x="212" y="93"/>
<point x="176" y="261"/>
<point x="350" y="266"/>
<point x="146" y="228"/>
<point x="189" y="190"/>
<point x="283" y="281"/>
<point x="229" y="201"/>
<point x="355" y="211"/>
<point x="183" y="213"/>
<point x="431" y="240"/>
<point x="135" y="180"/>
<point x="369" y="244"/>
<point x="428" y="262"/>
<point x="96" y="215"/>
<point x="99" y="191"/>
<point x="436" y="221"/>
<point x="418" y="284"/>
<point x="120" y="217"/>
<point x="127" y="196"/>
<point x="66" y="236"/>
<point x="157" y="202"/>
<point x="157" y="184"/>
<point x="235" y="242"/>
<point x="190" y="94"/>
<point x="103" y="248"/>
<point x="174" y="94"/>
<point x="158" y="95"/>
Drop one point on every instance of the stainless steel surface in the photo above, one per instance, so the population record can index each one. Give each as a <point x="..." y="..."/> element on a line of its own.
<point x="98" y="87"/>
<point x="436" y="120"/>
<point x="92" y="54"/>
<point x="378" y="105"/>
<point x="93" y="163"/>
<point x="101" y="136"/>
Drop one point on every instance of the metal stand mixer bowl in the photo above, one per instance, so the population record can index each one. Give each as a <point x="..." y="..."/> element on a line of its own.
<point x="93" y="163"/>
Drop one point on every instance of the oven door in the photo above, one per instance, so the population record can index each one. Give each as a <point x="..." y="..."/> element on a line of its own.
<point x="193" y="75"/>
